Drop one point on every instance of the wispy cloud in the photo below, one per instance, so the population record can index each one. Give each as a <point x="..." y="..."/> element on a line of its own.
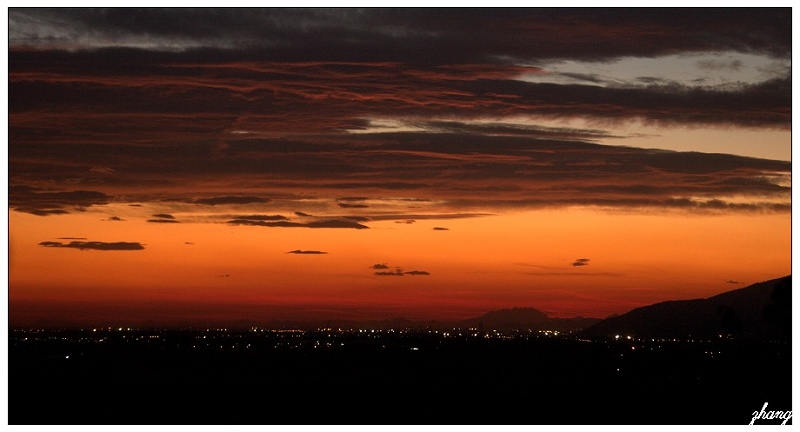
<point x="389" y="273"/>
<point x="332" y="223"/>
<point x="94" y="245"/>
<point x="398" y="271"/>
<point x="580" y="262"/>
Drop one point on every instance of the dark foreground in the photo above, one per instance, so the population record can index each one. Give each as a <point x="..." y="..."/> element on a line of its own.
<point x="389" y="378"/>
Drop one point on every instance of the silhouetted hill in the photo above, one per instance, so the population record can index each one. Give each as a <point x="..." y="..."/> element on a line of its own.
<point x="525" y="319"/>
<point x="759" y="311"/>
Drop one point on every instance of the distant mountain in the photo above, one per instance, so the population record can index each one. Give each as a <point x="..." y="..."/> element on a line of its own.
<point x="525" y="319"/>
<point x="759" y="311"/>
<point x="504" y="319"/>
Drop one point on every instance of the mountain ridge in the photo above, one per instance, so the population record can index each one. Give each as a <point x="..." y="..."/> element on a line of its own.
<point x="759" y="311"/>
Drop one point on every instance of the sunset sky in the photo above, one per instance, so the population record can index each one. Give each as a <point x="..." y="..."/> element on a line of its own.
<point x="217" y="165"/>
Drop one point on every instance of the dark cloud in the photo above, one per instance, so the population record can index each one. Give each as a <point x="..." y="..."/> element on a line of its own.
<point x="400" y="272"/>
<point x="357" y="218"/>
<point x="581" y="262"/>
<point x="397" y="272"/>
<point x="404" y="218"/>
<point x="148" y="107"/>
<point x="732" y="282"/>
<point x="232" y="200"/>
<point x="348" y="205"/>
<point x="223" y="275"/>
<point x="262" y="217"/>
<point x="441" y="229"/>
<point x="45" y="202"/>
<point x="418" y="35"/>
<point x="94" y="245"/>
<point x="365" y="90"/>
<point x="334" y="223"/>
<point x="510" y="129"/>
<point x="42" y="212"/>
<point x="163" y="218"/>
<point x="115" y="219"/>
<point x="477" y="172"/>
<point x="307" y="252"/>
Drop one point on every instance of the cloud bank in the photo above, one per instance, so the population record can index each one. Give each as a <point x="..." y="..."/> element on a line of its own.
<point x="455" y="111"/>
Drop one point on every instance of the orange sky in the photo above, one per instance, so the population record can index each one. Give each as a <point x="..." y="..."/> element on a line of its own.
<point x="259" y="164"/>
<point x="519" y="259"/>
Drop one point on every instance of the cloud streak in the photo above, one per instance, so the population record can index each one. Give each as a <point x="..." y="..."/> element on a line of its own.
<point x="383" y="270"/>
<point x="163" y="218"/>
<point x="94" y="245"/>
<point x="333" y="223"/>
<point x="412" y="34"/>
<point x="400" y="272"/>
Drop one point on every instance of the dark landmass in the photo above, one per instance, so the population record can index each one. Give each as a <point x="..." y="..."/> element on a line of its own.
<point x="283" y="377"/>
<point x="761" y="311"/>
